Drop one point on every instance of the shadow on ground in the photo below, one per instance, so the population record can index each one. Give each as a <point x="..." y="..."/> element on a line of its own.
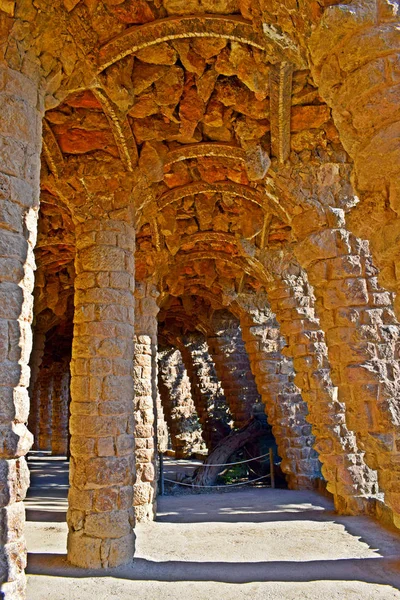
<point x="363" y="570"/>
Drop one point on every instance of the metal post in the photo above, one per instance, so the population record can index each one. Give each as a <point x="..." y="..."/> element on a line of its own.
<point x="271" y="466"/>
<point x="161" y="474"/>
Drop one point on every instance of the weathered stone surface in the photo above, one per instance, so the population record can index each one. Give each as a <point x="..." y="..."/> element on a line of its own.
<point x="232" y="366"/>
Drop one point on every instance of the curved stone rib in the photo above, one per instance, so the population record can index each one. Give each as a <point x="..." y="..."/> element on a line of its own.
<point x="210" y="297"/>
<point x="198" y="282"/>
<point x="121" y="130"/>
<point x="219" y="150"/>
<point x="217" y="237"/>
<point x="51" y="150"/>
<point x="200" y="187"/>
<point x="212" y="237"/>
<point x="60" y="240"/>
<point x="257" y="161"/>
<point x="281" y="104"/>
<point x="233" y="28"/>
<point x="251" y="266"/>
<point x="203" y="291"/>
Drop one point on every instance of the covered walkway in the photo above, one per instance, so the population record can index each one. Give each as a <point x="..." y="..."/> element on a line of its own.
<point x="254" y="543"/>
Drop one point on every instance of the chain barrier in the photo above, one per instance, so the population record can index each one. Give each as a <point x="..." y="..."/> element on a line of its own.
<point x="241" y="462"/>
<point x="192" y="485"/>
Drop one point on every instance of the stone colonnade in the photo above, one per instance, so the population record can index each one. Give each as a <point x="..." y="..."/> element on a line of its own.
<point x="50" y="396"/>
<point x="39" y="342"/>
<point x="352" y="49"/>
<point x="362" y="335"/>
<point x="348" y="478"/>
<point x="60" y="416"/>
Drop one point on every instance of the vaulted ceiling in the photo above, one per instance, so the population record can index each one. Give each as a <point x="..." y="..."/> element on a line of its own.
<point x="212" y="116"/>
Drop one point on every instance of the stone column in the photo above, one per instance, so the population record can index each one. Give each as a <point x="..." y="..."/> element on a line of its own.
<point x="100" y="515"/>
<point x="44" y="395"/>
<point x="34" y="416"/>
<point x="61" y="400"/>
<point x="207" y="393"/>
<point x="348" y="478"/>
<point x="162" y="427"/>
<point x="285" y="408"/>
<point x="145" y="375"/>
<point x="20" y="141"/>
<point x="39" y="340"/>
<point x="177" y="402"/>
<point x="363" y="340"/>
<point x="233" y="368"/>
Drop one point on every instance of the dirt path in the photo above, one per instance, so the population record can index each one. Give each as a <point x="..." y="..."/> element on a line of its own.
<point x="253" y="544"/>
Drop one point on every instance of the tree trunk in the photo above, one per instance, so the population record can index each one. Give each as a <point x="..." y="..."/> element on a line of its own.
<point x="207" y="474"/>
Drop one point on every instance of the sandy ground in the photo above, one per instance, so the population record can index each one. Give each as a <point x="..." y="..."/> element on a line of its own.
<point x="248" y="544"/>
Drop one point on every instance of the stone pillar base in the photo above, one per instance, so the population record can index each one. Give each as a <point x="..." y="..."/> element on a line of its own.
<point x="95" y="553"/>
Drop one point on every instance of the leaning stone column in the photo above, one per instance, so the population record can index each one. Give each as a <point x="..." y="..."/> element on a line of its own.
<point x="100" y="515"/>
<point x="285" y="408"/>
<point x="61" y="398"/>
<point x="44" y="385"/>
<point x="177" y="402"/>
<point x="208" y="397"/>
<point x="145" y="375"/>
<point x="20" y="140"/>
<point x="162" y="427"/>
<point x="363" y="337"/>
<point x="39" y="340"/>
<point x="233" y="368"/>
<point x="348" y="478"/>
